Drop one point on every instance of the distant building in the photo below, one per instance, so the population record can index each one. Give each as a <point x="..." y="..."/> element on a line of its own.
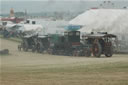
<point x="12" y="13"/>
<point x="12" y="17"/>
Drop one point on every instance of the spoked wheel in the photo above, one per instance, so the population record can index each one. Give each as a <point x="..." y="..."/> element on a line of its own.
<point x="97" y="49"/>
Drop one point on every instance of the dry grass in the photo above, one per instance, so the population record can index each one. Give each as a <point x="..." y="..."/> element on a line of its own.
<point x="26" y="68"/>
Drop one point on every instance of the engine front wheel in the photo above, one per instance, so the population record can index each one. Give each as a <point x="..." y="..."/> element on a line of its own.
<point x="108" y="55"/>
<point x="109" y="52"/>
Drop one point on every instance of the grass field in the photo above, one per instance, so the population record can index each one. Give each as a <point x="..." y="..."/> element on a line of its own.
<point x="27" y="68"/>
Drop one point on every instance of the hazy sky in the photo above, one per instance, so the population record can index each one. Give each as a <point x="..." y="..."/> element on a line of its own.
<point x="34" y="6"/>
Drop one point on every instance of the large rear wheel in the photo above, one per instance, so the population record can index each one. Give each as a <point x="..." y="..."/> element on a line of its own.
<point x="97" y="49"/>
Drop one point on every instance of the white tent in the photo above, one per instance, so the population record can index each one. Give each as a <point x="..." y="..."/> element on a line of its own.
<point x="29" y="28"/>
<point x="104" y="20"/>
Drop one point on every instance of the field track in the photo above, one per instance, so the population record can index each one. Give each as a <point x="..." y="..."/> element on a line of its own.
<point x="27" y="68"/>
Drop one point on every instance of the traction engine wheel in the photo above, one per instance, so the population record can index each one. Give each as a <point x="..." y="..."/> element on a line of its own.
<point x="109" y="53"/>
<point x="97" y="50"/>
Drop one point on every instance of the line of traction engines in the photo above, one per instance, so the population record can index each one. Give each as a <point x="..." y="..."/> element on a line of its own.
<point x="70" y="44"/>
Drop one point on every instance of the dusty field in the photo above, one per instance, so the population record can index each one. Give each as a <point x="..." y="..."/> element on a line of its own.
<point x="27" y="68"/>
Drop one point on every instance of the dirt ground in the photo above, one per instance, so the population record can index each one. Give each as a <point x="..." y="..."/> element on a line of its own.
<point x="27" y="68"/>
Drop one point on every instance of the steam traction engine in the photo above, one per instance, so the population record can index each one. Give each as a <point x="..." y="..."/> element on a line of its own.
<point x="100" y="43"/>
<point x="69" y="44"/>
<point x="28" y="42"/>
